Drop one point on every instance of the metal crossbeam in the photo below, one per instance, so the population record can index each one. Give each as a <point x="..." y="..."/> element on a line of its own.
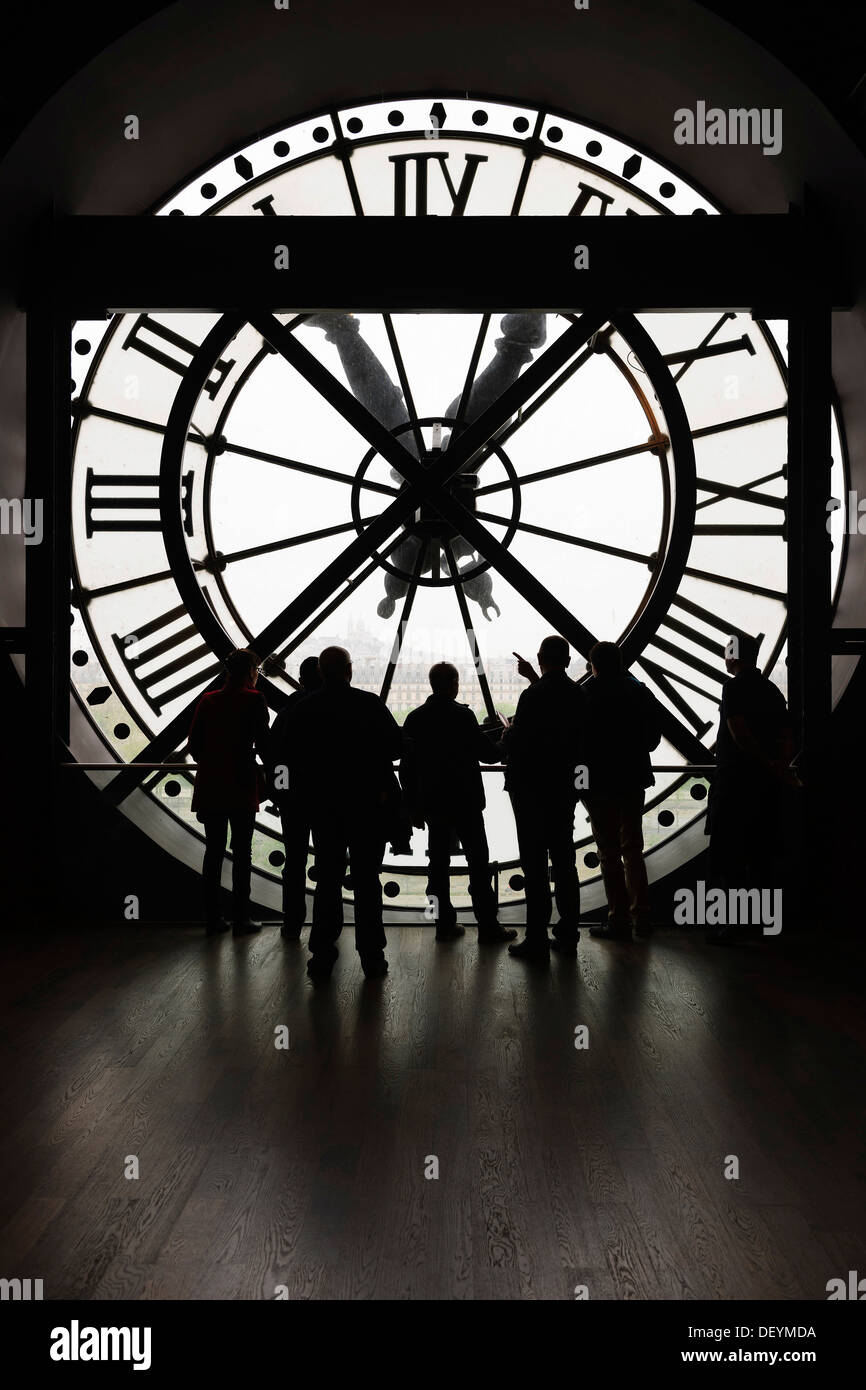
<point x="89" y="266"/>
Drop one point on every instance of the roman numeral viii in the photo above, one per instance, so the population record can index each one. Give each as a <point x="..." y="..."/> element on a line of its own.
<point x="135" y="660"/>
<point x="704" y="679"/>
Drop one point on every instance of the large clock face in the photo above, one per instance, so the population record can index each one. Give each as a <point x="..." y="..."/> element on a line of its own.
<point x="222" y="471"/>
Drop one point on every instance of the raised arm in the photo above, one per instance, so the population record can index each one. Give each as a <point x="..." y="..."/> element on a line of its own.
<point x="526" y="669"/>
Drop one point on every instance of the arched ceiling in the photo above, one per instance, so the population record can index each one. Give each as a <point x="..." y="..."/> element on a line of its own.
<point x="203" y="74"/>
<point x="829" y="57"/>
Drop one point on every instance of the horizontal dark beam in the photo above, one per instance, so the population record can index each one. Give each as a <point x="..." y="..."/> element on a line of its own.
<point x="89" y="266"/>
<point x="848" y="641"/>
<point x="688" y="768"/>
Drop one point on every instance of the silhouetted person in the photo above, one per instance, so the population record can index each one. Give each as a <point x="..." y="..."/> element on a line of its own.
<point x="542" y="746"/>
<point x="294" y="812"/>
<point x="623" y="726"/>
<point x="340" y="744"/>
<point x="227" y="726"/>
<point x="443" y="785"/>
<point x="753" y="753"/>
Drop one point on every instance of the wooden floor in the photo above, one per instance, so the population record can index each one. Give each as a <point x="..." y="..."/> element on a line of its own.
<point x="558" y="1167"/>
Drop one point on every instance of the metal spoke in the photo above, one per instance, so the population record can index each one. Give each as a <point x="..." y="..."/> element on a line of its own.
<point x="740" y="584"/>
<point x="84" y="410"/>
<point x="708" y="339"/>
<point x="575" y="467"/>
<point x="569" y="540"/>
<point x="315" y="469"/>
<point x="377" y="435"/>
<point x="342" y="151"/>
<point x="297" y="321"/>
<point x="402" y="625"/>
<point x="404" y="385"/>
<point x="473" y="368"/>
<point x="522" y="415"/>
<point x="746" y="492"/>
<point x="740" y="529"/>
<point x="740" y="423"/>
<point x="470" y="630"/>
<point x="270" y="547"/>
<point x="340" y="598"/>
<point x="123" y="585"/>
<point x="532" y="143"/>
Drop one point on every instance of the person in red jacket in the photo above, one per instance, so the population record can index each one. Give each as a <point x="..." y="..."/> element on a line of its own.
<point x="228" y="727"/>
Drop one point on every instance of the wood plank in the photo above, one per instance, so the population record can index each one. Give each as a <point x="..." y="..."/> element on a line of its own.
<point x="559" y="1167"/>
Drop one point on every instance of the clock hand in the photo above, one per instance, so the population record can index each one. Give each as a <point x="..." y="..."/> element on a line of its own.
<point x="424" y="484"/>
<point x="373" y="388"/>
<point x="521" y="333"/>
<point x="367" y="377"/>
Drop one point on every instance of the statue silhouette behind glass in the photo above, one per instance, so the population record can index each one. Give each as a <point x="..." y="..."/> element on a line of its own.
<point x="373" y="387"/>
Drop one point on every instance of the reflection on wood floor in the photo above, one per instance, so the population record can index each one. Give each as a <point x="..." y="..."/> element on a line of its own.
<point x="305" y="1167"/>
